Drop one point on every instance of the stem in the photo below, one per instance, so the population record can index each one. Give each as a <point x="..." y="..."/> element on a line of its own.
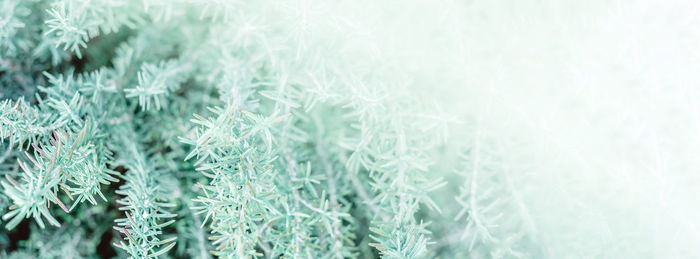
<point x="331" y="188"/>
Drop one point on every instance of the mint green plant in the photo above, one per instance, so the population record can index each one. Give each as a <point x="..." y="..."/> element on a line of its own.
<point x="194" y="129"/>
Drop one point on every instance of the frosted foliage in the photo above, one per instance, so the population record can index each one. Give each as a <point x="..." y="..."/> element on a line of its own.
<point x="349" y="129"/>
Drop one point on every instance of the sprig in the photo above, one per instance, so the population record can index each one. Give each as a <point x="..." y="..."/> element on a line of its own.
<point x="154" y="82"/>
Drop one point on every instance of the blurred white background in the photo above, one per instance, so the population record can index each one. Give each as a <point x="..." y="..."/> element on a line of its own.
<point x="601" y="96"/>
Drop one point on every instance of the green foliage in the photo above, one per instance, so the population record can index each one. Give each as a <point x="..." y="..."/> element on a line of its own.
<point x="200" y="128"/>
<point x="156" y="81"/>
<point x="145" y="203"/>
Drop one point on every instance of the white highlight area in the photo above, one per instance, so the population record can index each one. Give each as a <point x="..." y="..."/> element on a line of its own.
<point x="602" y="98"/>
<point x="605" y="93"/>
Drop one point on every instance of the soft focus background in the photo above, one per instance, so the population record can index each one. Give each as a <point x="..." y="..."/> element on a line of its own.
<point x="596" y="100"/>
